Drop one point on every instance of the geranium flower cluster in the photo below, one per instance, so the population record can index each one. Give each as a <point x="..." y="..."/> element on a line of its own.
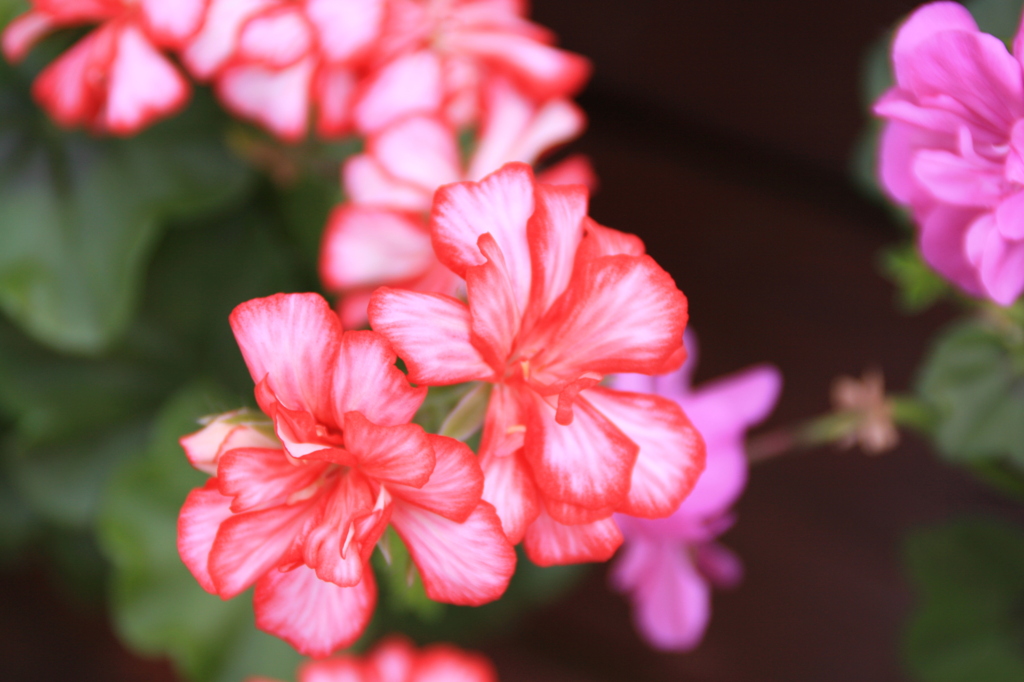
<point x="349" y="65"/>
<point x="554" y="302"/>
<point x="953" y="148"/>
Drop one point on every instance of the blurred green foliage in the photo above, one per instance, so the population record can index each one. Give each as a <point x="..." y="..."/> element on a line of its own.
<point x="969" y="624"/>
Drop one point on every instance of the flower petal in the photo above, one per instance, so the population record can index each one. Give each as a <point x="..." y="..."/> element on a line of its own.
<point x="468" y="563"/>
<point x="445" y="663"/>
<point x="455" y="485"/>
<point x="314" y="616"/>
<point x="492" y="305"/>
<point x="671" y="454"/>
<point x="549" y="543"/>
<point x="143" y="85"/>
<point x="209" y="49"/>
<point x="331" y="546"/>
<point x="366" y="182"/>
<point x="334" y="90"/>
<point x="943" y="238"/>
<point x="398" y="454"/>
<point x="292" y="340"/>
<point x="587" y="463"/>
<point x="258" y="478"/>
<point x="509" y="486"/>
<point x="431" y="333"/>
<point x="408" y="85"/>
<point x="555" y="231"/>
<point x="346" y="28"/>
<point x="275" y="38"/>
<point x="22" y="34"/>
<point x="500" y="204"/>
<point x="366" y="246"/>
<point x="673" y="604"/>
<point x="619" y="314"/>
<point x="64" y="88"/>
<point x="366" y="380"/>
<point x="420" y="150"/>
<point x="205" y="509"/>
<point x="248" y="545"/>
<point x="338" y="669"/>
<point x="172" y="23"/>
<point x="277" y="99"/>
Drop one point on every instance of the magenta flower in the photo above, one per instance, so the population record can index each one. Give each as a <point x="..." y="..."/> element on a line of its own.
<point x="952" y="148"/>
<point x="297" y="505"/>
<point x="669" y="565"/>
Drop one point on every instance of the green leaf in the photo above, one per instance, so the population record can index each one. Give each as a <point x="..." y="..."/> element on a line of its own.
<point x="920" y="287"/>
<point x="81" y="216"/>
<point x="973" y="380"/>
<point x="158" y="607"/>
<point x="969" y="622"/>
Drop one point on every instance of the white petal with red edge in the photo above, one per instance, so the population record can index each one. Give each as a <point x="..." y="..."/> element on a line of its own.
<point x="504" y="423"/>
<point x="248" y="545"/>
<point x="455" y="484"/>
<point x="467" y="563"/>
<point x="366" y="246"/>
<point x="555" y="231"/>
<point x="207" y="52"/>
<point x="492" y="304"/>
<point x="500" y="204"/>
<point x="366" y="182"/>
<point x="575" y="170"/>
<point x="509" y="486"/>
<point x="431" y="333"/>
<point x="293" y="341"/>
<point x="605" y="241"/>
<point x="64" y="89"/>
<point x="399" y="454"/>
<point x="171" y="23"/>
<point x="419" y="150"/>
<point x="275" y="38"/>
<point x="278" y="99"/>
<point x="545" y="71"/>
<point x="21" y="35"/>
<point x="408" y="85"/>
<point x="549" y="543"/>
<point x="366" y="380"/>
<point x="314" y="616"/>
<point x="516" y="129"/>
<point x="260" y="478"/>
<point x="330" y="545"/>
<point x="336" y="669"/>
<point x="143" y="85"/>
<point x="205" y="509"/>
<point x="587" y="463"/>
<point x="671" y="454"/>
<point x="346" y="28"/>
<point x="619" y="314"/>
<point x="334" y="90"/>
<point x="222" y="433"/>
<point x="392" y="659"/>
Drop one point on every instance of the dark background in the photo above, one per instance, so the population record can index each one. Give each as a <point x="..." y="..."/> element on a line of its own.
<point x="722" y="133"/>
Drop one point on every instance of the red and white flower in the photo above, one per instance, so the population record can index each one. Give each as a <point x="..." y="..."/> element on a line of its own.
<point x="382" y="238"/>
<point x="116" y="79"/>
<point x="297" y="510"/>
<point x="396" y="660"/>
<point x="439" y="56"/>
<point x="555" y="302"/>
<point x="273" y="61"/>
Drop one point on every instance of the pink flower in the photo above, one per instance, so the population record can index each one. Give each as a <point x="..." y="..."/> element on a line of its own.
<point x="116" y="79"/>
<point x="555" y="302"/>
<point x="396" y="660"/>
<point x="297" y="505"/>
<point x="381" y="238"/>
<point x="667" y="565"/>
<point x="273" y="61"/>
<point x="951" y="149"/>
<point x="439" y="55"/>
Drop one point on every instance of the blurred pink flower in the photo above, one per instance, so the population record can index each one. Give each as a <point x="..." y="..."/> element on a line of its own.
<point x="396" y="660"/>
<point x="952" y="148"/>
<point x="116" y="79"/>
<point x="668" y="565"/>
